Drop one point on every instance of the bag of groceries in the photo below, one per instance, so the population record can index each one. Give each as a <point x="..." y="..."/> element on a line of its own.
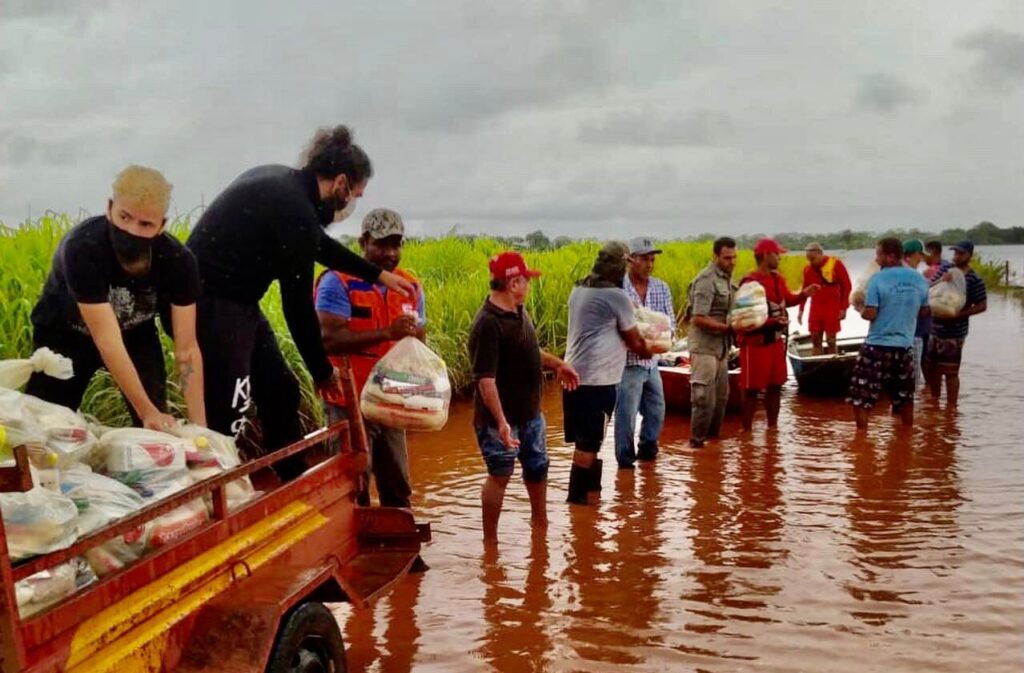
<point x="860" y="287"/>
<point x="150" y="462"/>
<point x="16" y="373"/>
<point x="48" y="587"/>
<point x="38" y="521"/>
<point x="408" y="388"/>
<point x="750" y="307"/>
<point x="948" y="297"/>
<point x="55" y="436"/>
<point x="655" y="327"/>
<point x="210" y="454"/>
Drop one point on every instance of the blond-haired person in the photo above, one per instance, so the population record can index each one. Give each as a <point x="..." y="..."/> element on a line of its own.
<point x="111" y="276"/>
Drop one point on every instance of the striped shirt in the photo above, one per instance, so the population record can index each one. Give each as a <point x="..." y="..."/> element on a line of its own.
<point x="659" y="298"/>
<point x="976" y="294"/>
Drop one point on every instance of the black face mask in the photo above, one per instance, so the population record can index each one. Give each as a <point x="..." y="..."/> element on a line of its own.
<point x="327" y="207"/>
<point x="135" y="253"/>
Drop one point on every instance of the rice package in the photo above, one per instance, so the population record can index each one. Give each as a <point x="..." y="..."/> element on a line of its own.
<point x="750" y="307"/>
<point x="38" y="521"/>
<point x="48" y="587"/>
<point x="655" y="327"/>
<point x="860" y="287"/>
<point x="948" y="297"/>
<point x="408" y="388"/>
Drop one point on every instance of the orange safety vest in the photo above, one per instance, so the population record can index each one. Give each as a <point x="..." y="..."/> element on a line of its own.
<point x="371" y="310"/>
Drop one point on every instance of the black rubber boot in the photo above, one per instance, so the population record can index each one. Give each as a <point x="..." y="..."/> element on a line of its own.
<point x="578" y="485"/>
<point x="594" y="483"/>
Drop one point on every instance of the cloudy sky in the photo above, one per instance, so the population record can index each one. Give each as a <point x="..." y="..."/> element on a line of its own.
<point x="580" y="118"/>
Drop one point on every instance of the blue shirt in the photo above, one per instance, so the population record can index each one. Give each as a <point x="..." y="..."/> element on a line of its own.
<point x="332" y="297"/>
<point x="898" y="293"/>
<point x="976" y="294"/>
<point x="659" y="298"/>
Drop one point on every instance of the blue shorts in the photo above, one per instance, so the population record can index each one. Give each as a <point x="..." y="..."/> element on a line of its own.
<point x="532" y="452"/>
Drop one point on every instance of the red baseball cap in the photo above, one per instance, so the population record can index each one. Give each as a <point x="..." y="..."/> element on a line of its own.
<point x="506" y="265"/>
<point x="767" y="245"/>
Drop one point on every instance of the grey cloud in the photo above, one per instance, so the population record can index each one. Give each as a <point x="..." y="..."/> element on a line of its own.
<point x="1000" y="56"/>
<point x="882" y="92"/>
<point x="18" y="149"/>
<point x="648" y="127"/>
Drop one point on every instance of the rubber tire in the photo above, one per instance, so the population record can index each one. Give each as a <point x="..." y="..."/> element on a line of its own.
<point x="306" y="623"/>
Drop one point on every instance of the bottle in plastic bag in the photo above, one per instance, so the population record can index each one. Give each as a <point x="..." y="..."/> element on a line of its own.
<point x="408" y="388"/>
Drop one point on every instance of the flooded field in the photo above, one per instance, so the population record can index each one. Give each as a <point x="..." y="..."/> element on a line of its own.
<point x="805" y="549"/>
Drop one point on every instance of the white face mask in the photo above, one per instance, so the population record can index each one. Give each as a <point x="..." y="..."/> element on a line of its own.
<point x="344" y="213"/>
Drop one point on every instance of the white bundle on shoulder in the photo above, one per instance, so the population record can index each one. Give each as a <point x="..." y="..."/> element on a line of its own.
<point x="948" y="297"/>
<point x="859" y="293"/>
<point x="408" y="388"/>
<point x="16" y="373"/>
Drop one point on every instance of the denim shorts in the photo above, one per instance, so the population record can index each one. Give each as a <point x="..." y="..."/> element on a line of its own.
<point x="532" y="452"/>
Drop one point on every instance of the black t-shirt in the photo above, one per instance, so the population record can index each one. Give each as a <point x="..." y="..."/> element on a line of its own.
<point x="265" y="227"/>
<point x="86" y="271"/>
<point x="503" y="345"/>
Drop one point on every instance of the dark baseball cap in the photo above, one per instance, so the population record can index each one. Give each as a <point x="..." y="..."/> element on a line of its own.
<point x="963" y="246"/>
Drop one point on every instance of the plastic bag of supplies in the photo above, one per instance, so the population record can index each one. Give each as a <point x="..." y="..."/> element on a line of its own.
<point x="948" y="297"/>
<point x="655" y="327"/>
<point x="408" y="388"/>
<point x="750" y="307"/>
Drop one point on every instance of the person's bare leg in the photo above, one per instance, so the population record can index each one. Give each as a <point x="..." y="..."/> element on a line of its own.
<point x="952" y="390"/>
<point x="583" y="458"/>
<point x="860" y="415"/>
<point x="749" y="406"/>
<point x="816" y="343"/>
<point x="933" y="378"/>
<point x="772" y="404"/>
<point x="907" y="414"/>
<point x="538" y="492"/>
<point x="833" y="347"/>
<point x="492" y="494"/>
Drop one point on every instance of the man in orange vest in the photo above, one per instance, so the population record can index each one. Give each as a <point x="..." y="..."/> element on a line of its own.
<point x="828" y="308"/>
<point x="363" y="321"/>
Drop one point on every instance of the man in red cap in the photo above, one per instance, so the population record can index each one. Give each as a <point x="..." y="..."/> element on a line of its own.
<point x="763" y="350"/>
<point x="507" y="365"/>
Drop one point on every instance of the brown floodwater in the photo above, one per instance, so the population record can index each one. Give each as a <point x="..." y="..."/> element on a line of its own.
<point x="805" y="549"/>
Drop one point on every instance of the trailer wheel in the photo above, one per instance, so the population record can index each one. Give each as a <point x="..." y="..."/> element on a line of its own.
<point x="309" y="641"/>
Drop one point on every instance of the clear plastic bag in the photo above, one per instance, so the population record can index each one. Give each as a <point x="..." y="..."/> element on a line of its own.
<point x="55" y="436"/>
<point x="948" y="297"/>
<point x="859" y="293"/>
<point x="48" y="587"/>
<point x="16" y="373"/>
<point x="655" y="327"/>
<point x="750" y="307"/>
<point x="151" y="462"/>
<point x="38" y="521"/>
<point x="100" y="500"/>
<point x="210" y="454"/>
<point x="408" y="388"/>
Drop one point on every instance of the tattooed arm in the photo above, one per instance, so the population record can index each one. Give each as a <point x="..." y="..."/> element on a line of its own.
<point x="189" y="361"/>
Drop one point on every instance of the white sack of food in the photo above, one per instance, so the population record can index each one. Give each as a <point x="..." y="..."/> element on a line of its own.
<point x="55" y="436"/>
<point x="948" y="297"/>
<point x="210" y="454"/>
<point x="750" y="307"/>
<point x="38" y="521"/>
<point x="860" y="286"/>
<point x="16" y="373"/>
<point x="48" y="587"/>
<point x="408" y="388"/>
<point x="151" y="462"/>
<point x="655" y="327"/>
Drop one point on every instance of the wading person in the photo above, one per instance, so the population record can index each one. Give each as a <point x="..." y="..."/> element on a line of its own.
<point x="894" y="298"/>
<point x="507" y="365"/>
<point x="913" y="255"/>
<point x="763" y="351"/>
<point x="829" y="305"/>
<point x="269" y="225"/>
<point x="640" y="390"/>
<point x="602" y="329"/>
<point x="363" y="321"/>
<point x="111" y="276"/>
<point x="946" y="343"/>
<point x="709" y="339"/>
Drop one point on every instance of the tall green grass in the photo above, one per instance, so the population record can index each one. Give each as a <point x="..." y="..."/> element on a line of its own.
<point x="453" y="271"/>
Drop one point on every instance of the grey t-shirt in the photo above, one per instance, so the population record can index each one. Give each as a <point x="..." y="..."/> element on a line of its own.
<point x="595" y="347"/>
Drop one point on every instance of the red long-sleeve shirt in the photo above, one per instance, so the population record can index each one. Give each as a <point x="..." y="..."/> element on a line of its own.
<point x="833" y="297"/>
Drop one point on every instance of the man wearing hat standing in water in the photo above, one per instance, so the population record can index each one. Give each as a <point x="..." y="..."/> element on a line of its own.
<point x="363" y="321"/>
<point x="763" y="350"/>
<point x="640" y="390"/>
<point x="828" y="308"/>
<point x="508" y="366"/>
<point x="946" y="344"/>
<point x="602" y="330"/>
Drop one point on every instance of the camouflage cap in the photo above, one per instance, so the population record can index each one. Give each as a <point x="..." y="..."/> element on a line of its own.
<point x="381" y="222"/>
